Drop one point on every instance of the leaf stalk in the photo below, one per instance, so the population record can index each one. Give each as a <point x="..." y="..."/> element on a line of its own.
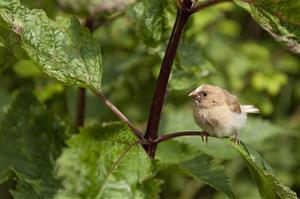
<point x="80" y="108"/>
<point x="119" y="114"/>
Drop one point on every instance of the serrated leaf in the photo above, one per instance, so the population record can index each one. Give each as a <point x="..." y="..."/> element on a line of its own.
<point x="30" y="141"/>
<point x="103" y="162"/>
<point x="63" y="49"/>
<point x="268" y="184"/>
<point x="183" y="158"/>
<point x="278" y="17"/>
<point x="153" y="20"/>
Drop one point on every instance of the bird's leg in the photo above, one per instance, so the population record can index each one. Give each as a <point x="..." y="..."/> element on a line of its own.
<point x="204" y="136"/>
<point x="237" y="138"/>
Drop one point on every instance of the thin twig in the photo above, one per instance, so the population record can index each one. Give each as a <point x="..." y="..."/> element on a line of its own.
<point x="91" y="24"/>
<point x="119" y="114"/>
<point x="80" y="108"/>
<point x="80" y="114"/>
<point x="104" y="20"/>
<point x="207" y="4"/>
<point x="178" y="134"/>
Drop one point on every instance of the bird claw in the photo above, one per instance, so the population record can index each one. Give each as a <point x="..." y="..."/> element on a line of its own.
<point x="237" y="139"/>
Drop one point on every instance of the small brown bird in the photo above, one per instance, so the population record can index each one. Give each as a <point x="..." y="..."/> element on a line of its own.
<point x="218" y="112"/>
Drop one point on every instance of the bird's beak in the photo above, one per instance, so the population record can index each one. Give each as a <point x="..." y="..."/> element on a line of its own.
<point x="193" y="94"/>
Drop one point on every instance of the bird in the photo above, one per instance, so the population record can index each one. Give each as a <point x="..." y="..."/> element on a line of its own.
<point x="219" y="113"/>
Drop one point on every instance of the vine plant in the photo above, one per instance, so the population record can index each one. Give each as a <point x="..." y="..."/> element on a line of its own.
<point x="30" y="34"/>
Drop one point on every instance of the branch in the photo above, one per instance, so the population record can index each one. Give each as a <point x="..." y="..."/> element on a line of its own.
<point x="80" y="114"/>
<point x="207" y="4"/>
<point x="104" y="20"/>
<point x="119" y="114"/>
<point x="91" y="24"/>
<point x="163" y="78"/>
<point x="178" y="134"/>
<point x="80" y="108"/>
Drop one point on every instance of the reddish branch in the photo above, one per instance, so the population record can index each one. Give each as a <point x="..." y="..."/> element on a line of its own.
<point x="80" y="108"/>
<point x="80" y="114"/>
<point x="184" y="12"/>
<point x="178" y="134"/>
<point x="162" y="82"/>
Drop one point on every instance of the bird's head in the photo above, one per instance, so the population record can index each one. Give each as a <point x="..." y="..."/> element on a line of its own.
<point x="208" y="96"/>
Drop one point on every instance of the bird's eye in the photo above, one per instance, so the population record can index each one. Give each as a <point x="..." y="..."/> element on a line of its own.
<point x="204" y="94"/>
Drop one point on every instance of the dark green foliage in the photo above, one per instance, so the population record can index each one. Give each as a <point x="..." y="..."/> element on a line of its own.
<point x="182" y="158"/>
<point x="268" y="184"/>
<point x="220" y="45"/>
<point x="153" y="21"/>
<point x="105" y="162"/>
<point x="30" y="141"/>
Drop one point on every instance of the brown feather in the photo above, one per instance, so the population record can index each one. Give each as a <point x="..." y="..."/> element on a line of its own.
<point x="232" y="102"/>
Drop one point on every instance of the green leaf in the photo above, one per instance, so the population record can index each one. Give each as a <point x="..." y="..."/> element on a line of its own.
<point x="268" y="184"/>
<point x="10" y="50"/>
<point x="153" y="23"/>
<point x="63" y="49"/>
<point x="205" y="168"/>
<point x="6" y="58"/>
<point x="103" y="162"/>
<point x="185" y="159"/>
<point x="30" y="141"/>
<point x="149" y="189"/>
<point x="190" y="66"/>
<point x="153" y="20"/>
<point x="278" y="17"/>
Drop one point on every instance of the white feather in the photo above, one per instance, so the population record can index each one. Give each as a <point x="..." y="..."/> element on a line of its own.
<point x="239" y="120"/>
<point x="249" y="109"/>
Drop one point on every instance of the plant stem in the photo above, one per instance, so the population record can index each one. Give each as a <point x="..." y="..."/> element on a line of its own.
<point x="178" y="134"/>
<point x="80" y="114"/>
<point x="91" y="24"/>
<point x="119" y="114"/>
<point x="80" y="108"/>
<point x="162" y="82"/>
<point x="207" y="4"/>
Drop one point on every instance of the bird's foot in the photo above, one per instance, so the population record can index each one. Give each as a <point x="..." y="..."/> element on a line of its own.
<point x="204" y="137"/>
<point x="237" y="139"/>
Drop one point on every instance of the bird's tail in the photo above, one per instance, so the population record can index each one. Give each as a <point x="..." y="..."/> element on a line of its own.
<point x="249" y="109"/>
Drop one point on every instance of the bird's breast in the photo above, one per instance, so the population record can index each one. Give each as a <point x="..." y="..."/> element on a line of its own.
<point x="219" y="121"/>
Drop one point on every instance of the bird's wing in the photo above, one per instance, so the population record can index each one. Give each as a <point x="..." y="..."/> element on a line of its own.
<point x="232" y="102"/>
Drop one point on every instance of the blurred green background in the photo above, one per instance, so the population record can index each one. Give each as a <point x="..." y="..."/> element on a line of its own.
<point x="223" y="46"/>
